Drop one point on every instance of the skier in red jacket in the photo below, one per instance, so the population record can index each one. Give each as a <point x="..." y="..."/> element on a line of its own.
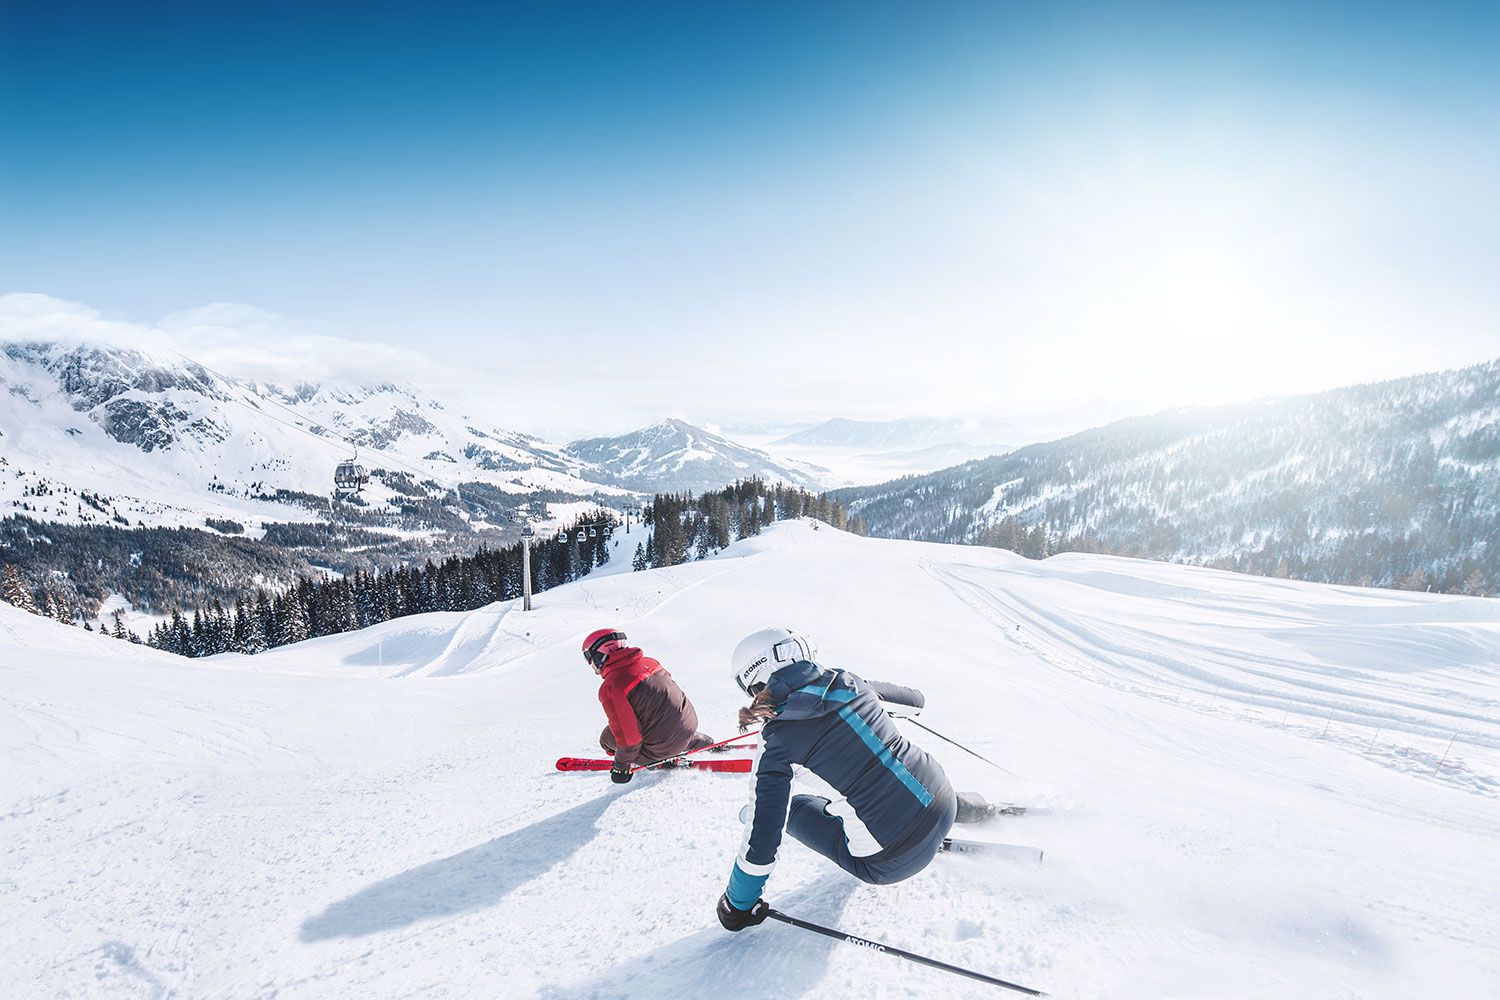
<point x="650" y="719"/>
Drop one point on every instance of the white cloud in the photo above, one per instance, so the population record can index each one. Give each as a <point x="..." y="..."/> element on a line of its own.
<point x="239" y="340"/>
<point x="560" y="395"/>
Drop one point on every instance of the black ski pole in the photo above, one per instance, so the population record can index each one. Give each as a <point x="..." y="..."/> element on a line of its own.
<point x="961" y="746"/>
<point x="838" y="935"/>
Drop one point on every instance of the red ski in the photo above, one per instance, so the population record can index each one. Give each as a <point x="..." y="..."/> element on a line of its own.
<point x="604" y="764"/>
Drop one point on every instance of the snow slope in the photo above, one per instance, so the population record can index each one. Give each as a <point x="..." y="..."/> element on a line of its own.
<point x="375" y="814"/>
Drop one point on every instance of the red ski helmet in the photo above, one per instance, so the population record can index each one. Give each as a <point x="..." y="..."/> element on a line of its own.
<point x="599" y="644"/>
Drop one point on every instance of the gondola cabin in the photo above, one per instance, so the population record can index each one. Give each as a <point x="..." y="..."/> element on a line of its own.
<point x="350" y="477"/>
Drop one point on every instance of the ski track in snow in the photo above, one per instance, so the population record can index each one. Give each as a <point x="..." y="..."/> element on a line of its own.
<point x="375" y="814"/>
<point x="1217" y="678"/>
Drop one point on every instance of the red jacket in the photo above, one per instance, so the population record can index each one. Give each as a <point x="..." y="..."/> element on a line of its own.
<point x="650" y="718"/>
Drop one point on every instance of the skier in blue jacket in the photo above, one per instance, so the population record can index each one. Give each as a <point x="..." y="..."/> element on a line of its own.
<point x="897" y="805"/>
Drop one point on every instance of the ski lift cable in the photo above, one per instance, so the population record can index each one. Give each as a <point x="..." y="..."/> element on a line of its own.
<point x="325" y="438"/>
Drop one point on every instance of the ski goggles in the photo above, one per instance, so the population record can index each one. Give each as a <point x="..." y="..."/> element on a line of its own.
<point x="594" y="656"/>
<point x="793" y="649"/>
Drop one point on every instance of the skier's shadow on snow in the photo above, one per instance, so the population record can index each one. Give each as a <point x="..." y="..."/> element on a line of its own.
<point x="469" y="880"/>
<point x="772" y="960"/>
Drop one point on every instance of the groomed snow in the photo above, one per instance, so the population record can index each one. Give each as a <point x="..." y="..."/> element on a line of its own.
<point x="1247" y="776"/>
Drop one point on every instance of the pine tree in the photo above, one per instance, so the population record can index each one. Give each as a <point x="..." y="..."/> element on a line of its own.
<point x="175" y="635"/>
<point x="290" y="621"/>
<point x="220" y="630"/>
<point x="254" y="639"/>
<point x="719" y="524"/>
<point x="639" y="562"/>
<point x="238" y="626"/>
<point x="13" y="590"/>
<point x="199" y="635"/>
<point x="264" y="624"/>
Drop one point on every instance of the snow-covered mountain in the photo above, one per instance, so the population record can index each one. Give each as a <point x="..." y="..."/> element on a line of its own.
<point x="1245" y="788"/>
<point x="1385" y="483"/>
<point x="673" y="456"/>
<point x="168" y="442"/>
<point x="106" y="454"/>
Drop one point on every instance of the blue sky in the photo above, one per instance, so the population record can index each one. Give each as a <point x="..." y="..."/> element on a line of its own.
<point x="739" y="210"/>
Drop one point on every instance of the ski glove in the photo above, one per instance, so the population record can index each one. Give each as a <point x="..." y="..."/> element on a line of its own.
<point x="738" y="920"/>
<point x="619" y="775"/>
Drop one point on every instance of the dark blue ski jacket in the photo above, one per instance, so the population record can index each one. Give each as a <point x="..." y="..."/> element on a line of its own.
<point x="832" y="723"/>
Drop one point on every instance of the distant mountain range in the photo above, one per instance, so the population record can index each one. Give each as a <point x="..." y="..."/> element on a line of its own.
<point x="172" y="442"/>
<point x="1396" y="483"/>
<point x="170" y="483"/>
<point x="675" y="456"/>
<point x="872" y="451"/>
<point x="909" y="434"/>
<point x="99" y="442"/>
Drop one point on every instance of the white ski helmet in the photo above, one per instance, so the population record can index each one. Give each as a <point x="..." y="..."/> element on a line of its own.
<point x="761" y="654"/>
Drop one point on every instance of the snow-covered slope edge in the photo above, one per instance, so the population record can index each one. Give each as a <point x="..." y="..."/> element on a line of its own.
<point x="211" y="830"/>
